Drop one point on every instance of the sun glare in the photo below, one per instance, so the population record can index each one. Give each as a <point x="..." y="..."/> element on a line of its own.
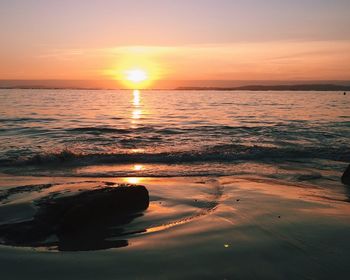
<point x="135" y="72"/>
<point x="136" y="75"/>
<point x="136" y="78"/>
<point x="136" y="68"/>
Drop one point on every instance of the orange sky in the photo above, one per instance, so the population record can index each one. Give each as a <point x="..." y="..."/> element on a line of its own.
<point x="245" y="40"/>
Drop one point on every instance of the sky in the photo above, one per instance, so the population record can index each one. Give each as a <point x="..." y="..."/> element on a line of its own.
<point x="182" y="40"/>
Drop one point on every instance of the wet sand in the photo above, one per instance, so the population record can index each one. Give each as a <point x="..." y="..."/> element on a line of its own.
<point x="199" y="228"/>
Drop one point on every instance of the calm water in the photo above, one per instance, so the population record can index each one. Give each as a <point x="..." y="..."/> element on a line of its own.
<point x="172" y="133"/>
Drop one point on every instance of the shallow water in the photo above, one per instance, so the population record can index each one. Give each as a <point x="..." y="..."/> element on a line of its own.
<point x="207" y="228"/>
<point x="172" y="133"/>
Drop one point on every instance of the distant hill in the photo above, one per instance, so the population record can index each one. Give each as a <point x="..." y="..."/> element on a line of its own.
<point x="304" y="87"/>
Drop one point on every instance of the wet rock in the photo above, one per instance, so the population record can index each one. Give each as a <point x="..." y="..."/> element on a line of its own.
<point x="98" y="206"/>
<point x="346" y="176"/>
<point x="80" y="221"/>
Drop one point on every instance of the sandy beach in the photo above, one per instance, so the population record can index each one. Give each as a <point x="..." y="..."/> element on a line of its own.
<point x="201" y="227"/>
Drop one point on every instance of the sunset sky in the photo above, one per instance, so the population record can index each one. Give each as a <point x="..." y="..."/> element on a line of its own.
<point x="172" y="41"/>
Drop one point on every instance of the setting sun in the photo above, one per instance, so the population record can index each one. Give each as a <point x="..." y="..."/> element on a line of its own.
<point x="136" y="78"/>
<point x="137" y="67"/>
<point x="133" y="77"/>
<point x="136" y="75"/>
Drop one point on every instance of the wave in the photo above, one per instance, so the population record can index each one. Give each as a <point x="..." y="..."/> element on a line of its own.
<point x="302" y="127"/>
<point x="219" y="153"/>
<point x="98" y="130"/>
<point x="106" y="130"/>
<point x="15" y="120"/>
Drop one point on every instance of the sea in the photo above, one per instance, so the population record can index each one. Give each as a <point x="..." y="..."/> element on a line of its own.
<point x="290" y="135"/>
<point x="235" y="181"/>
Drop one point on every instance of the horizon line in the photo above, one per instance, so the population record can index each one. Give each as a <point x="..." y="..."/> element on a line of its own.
<point x="250" y="87"/>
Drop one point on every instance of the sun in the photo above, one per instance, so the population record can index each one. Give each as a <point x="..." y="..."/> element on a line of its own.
<point x="136" y="78"/>
<point x="134" y="72"/>
<point x="136" y="75"/>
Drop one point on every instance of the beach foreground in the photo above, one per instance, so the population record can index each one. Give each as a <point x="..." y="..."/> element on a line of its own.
<point x="199" y="227"/>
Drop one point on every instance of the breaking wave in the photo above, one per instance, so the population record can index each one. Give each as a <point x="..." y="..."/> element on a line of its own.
<point x="219" y="153"/>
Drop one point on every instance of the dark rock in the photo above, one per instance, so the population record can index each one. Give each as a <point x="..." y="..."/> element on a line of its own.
<point x="346" y="176"/>
<point x="80" y="221"/>
<point x="98" y="206"/>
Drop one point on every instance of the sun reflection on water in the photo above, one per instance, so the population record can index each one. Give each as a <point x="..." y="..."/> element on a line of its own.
<point x="136" y="113"/>
<point x="133" y="180"/>
<point x="136" y="100"/>
<point x="139" y="150"/>
<point x="138" y="167"/>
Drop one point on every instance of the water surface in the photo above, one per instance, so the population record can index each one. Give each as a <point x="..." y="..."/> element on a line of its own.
<point x="169" y="133"/>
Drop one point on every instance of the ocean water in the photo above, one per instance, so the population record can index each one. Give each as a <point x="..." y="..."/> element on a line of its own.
<point x="290" y="135"/>
<point x="237" y="181"/>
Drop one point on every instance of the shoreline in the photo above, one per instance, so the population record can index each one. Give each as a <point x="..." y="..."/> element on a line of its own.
<point x="231" y="226"/>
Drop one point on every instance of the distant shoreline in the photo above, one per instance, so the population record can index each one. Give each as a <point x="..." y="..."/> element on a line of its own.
<point x="301" y="87"/>
<point x="297" y="87"/>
